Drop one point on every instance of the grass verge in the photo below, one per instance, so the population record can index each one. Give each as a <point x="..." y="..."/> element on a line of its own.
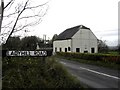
<point x="36" y="72"/>
<point x="93" y="62"/>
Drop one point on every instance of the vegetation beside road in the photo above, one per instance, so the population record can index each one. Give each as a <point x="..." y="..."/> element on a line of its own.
<point x="34" y="72"/>
<point x="105" y="60"/>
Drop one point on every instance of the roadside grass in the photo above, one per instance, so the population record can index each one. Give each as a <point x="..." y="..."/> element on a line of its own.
<point x="113" y="52"/>
<point x="93" y="62"/>
<point x="36" y="72"/>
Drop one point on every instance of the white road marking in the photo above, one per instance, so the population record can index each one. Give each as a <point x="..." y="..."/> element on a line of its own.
<point x="63" y="63"/>
<point x="100" y="73"/>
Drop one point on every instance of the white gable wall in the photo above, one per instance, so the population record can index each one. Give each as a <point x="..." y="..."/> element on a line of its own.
<point x="85" y="40"/>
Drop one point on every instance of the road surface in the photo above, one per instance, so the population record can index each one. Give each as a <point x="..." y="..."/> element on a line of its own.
<point x="93" y="76"/>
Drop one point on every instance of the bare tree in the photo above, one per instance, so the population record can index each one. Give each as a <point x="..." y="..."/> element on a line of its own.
<point x="102" y="46"/>
<point x="21" y="15"/>
<point x="1" y="13"/>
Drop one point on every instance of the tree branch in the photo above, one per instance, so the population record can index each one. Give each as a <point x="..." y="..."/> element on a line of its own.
<point x="29" y="17"/>
<point x="11" y="14"/>
<point x="17" y="20"/>
<point x="36" y="6"/>
<point x="8" y="4"/>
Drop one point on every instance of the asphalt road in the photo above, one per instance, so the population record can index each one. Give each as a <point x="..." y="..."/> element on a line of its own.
<point x="93" y="76"/>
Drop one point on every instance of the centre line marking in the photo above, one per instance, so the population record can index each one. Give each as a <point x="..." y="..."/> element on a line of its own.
<point x="63" y="63"/>
<point x="100" y="73"/>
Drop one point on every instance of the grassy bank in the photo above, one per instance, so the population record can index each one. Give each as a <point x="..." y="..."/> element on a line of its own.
<point x="109" y="61"/>
<point x="35" y="72"/>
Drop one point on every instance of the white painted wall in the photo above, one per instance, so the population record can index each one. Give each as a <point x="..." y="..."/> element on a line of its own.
<point x="85" y="40"/>
<point x="61" y="44"/>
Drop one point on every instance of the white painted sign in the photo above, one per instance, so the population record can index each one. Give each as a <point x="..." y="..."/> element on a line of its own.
<point x="27" y="53"/>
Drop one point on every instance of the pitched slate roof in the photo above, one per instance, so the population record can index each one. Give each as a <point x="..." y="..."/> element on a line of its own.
<point x="68" y="33"/>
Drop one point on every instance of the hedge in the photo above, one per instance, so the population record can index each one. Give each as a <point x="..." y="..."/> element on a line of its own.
<point x="32" y="73"/>
<point x="95" y="57"/>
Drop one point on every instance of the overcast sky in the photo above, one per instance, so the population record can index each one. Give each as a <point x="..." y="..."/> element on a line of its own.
<point x="101" y="16"/>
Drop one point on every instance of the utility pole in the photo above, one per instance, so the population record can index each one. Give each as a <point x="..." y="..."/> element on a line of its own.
<point x="44" y="39"/>
<point x="1" y="13"/>
<point x="44" y="42"/>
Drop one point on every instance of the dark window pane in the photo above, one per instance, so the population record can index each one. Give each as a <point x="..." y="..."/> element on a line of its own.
<point x="77" y="49"/>
<point x="60" y="49"/>
<point x="68" y="48"/>
<point x="92" y="50"/>
<point x="65" y="49"/>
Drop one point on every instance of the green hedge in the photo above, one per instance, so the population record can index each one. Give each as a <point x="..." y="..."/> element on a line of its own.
<point x="95" y="57"/>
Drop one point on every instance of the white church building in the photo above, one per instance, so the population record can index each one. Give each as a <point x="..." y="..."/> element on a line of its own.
<point x="76" y="39"/>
